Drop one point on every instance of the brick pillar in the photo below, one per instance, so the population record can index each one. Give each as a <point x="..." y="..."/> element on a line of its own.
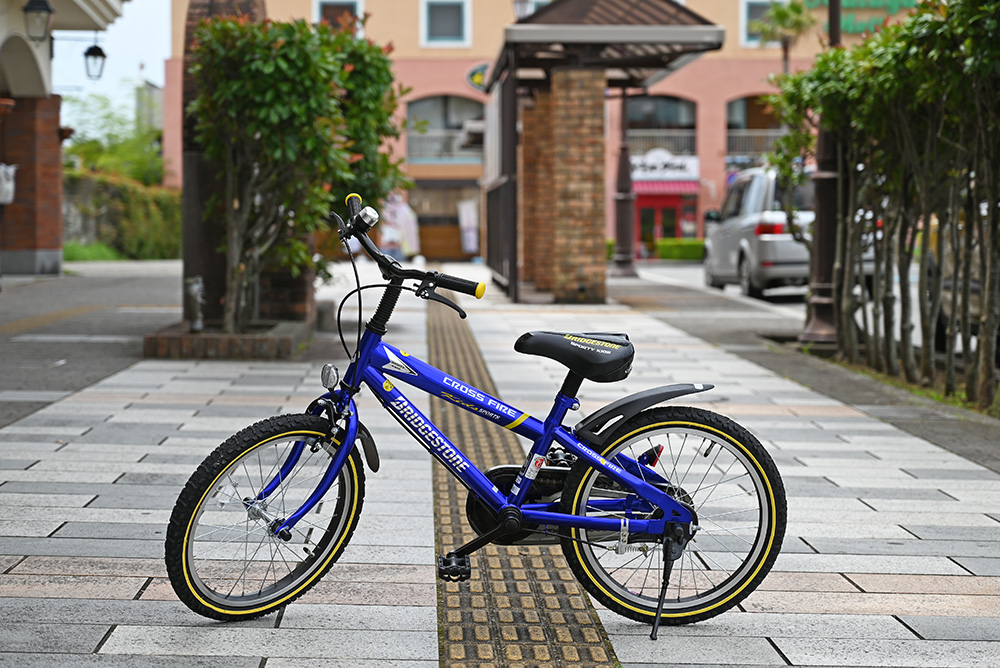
<point x="577" y="204"/>
<point x="535" y="201"/>
<point x="31" y="230"/>
<point x="542" y="215"/>
<point x="527" y="193"/>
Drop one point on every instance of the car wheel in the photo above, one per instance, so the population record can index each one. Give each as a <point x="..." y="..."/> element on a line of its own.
<point x="710" y="279"/>
<point x="747" y="286"/>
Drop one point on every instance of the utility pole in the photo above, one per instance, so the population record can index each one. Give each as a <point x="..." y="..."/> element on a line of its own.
<point x="821" y="327"/>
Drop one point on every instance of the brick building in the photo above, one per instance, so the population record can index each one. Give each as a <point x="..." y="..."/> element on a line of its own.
<point x="30" y="135"/>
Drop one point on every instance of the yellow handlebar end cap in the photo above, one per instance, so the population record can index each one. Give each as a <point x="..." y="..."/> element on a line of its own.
<point x="480" y="290"/>
<point x="348" y="198"/>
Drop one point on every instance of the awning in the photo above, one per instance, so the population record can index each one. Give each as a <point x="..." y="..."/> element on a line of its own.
<point x="636" y="42"/>
<point x="666" y="187"/>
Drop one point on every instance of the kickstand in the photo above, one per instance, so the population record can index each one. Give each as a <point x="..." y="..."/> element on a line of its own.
<point x="668" y="566"/>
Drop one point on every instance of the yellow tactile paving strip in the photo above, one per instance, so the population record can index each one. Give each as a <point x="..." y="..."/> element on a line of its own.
<point x="522" y="606"/>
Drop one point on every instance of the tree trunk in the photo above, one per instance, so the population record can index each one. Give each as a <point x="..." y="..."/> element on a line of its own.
<point x="905" y="257"/>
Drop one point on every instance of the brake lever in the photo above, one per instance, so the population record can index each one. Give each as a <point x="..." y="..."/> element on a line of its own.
<point x="426" y="291"/>
<point x="433" y="296"/>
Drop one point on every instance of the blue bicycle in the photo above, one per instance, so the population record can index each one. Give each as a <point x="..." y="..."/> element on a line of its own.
<point x="666" y="515"/>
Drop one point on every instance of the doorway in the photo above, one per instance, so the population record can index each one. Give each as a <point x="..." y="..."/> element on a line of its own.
<point x="662" y="217"/>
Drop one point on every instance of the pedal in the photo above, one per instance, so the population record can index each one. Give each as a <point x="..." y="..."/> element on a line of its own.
<point x="454" y="568"/>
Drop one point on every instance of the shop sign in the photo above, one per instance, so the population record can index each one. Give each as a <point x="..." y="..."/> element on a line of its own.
<point x="876" y="12"/>
<point x="476" y="77"/>
<point x="659" y="164"/>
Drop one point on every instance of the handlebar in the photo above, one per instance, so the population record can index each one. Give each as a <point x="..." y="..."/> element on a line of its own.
<point x="466" y="287"/>
<point x="357" y="227"/>
<point x="354" y="203"/>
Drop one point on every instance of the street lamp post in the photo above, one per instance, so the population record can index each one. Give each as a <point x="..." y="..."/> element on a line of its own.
<point x="821" y="327"/>
<point x="624" y="256"/>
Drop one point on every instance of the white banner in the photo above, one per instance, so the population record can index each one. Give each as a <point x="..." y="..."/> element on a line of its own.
<point x="659" y="164"/>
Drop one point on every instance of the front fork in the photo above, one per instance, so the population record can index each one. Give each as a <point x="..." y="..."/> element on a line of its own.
<point x="343" y="432"/>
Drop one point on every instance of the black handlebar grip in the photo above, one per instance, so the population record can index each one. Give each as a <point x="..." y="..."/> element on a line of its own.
<point x="354" y="205"/>
<point x="462" y="285"/>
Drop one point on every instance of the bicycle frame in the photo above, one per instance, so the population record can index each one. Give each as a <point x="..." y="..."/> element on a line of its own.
<point x="379" y="363"/>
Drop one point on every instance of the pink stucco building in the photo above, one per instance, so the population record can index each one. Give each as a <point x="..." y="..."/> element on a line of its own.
<point x="687" y="134"/>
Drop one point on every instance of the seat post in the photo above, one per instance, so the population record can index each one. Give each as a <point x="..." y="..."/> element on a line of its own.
<point x="571" y="385"/>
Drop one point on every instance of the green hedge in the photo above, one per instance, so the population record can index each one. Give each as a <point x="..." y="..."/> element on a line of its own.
<point x="139" y="222"/>
<point x="672" y="249"/>
<point x="97" y="252"/>
<point x="680" y="249"/>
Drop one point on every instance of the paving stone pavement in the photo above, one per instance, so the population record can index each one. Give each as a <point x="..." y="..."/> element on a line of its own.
<point x="890" y="557"/>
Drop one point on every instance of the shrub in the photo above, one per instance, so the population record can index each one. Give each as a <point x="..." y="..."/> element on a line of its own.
<point x="136" y="221"/>
<point x="680" y="249"/>
<point x="77" y="252"/>
<point x="282" y="110"/>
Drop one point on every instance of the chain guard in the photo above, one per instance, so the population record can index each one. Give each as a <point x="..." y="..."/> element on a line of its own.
<point x="546" y="488"/>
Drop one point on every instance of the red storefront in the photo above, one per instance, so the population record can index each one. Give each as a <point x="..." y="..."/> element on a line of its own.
<point x="666" y="198"/>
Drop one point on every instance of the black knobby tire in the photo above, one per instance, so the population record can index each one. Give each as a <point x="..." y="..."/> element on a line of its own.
<point x="222" y="556"/>
<point x="747" y="287"/>
<point x="720" y="469"/>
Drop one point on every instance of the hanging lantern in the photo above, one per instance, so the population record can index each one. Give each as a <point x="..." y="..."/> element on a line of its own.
<point x="38" y="19"/>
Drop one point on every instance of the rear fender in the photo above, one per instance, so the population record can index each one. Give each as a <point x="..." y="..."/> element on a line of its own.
<point x="596" y="428"/>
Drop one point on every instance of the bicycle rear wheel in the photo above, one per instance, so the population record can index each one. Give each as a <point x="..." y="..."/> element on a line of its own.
<point x="222" y="555"/>
<point x="719" y="469"/>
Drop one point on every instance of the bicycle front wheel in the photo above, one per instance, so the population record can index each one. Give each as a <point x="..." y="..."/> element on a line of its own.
<point x="716" y="467"/>
<point x="222" y="555"/>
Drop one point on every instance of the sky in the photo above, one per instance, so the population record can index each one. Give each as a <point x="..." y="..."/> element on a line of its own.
<point x="137" y="45"/>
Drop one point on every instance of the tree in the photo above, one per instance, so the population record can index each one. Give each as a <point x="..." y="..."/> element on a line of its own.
<point x="783" y="23"/>
<point x="914" y="108"/>
<point x="277" y="116"/>
<point x="106" y="140"/>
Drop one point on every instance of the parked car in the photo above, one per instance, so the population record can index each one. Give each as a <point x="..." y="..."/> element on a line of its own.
<point x="747" y="242"/>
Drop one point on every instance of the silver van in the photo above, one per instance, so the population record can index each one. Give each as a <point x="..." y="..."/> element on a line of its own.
<point x="747" y="242"/>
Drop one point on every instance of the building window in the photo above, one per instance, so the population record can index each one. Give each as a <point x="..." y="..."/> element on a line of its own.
<point x="749" y="113"/>
<point x="441" y="121"/>
<point x="751" y="10"/>
<point x="333" y="12"/>
<point x="659" y="113"/>
<point x="445" y="23"/>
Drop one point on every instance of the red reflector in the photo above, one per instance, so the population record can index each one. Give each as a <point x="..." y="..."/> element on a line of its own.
<point x="769" y="228"/>
<point x="656" y="458"/>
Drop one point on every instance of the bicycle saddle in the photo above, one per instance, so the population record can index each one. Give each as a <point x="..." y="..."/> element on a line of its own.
<point x="600" y="357"/>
